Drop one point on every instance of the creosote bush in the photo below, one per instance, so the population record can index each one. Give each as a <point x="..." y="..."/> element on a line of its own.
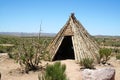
<point x="54" y="72"/>
<point x="87" y="63"/>
<point x="104" y="54"/>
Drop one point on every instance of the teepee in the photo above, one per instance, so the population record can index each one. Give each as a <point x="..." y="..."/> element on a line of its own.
<point x="73" y="42"/>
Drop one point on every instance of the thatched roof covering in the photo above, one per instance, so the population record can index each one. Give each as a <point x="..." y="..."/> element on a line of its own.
<point x="82" y="43"/>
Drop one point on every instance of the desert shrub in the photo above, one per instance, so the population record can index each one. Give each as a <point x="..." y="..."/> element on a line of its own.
<point x="46" y="56"/>
<point x="29" y="54"/>
<point x="87" y="63"/>
<point x="118" y="56"/>
<point x="10" y="55"/>
<point x="6" y="49"/>
<point x="2" y="49"/>
<point x="54" y="72"/>
<point x="115" y="50"/>
<point x="104" y="54"/>
<point x="9" y="51"/>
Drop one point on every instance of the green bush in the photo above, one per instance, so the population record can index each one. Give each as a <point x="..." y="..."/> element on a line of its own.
<point x="87" y="63"/>
<point x="104" y="54"/>
<point x="54" y="72"/>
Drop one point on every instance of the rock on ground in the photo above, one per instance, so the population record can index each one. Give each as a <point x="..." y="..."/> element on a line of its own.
<point x="99" y="74"/>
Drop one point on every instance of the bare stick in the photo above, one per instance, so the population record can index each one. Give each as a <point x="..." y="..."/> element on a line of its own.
<point x="40" y="31"/>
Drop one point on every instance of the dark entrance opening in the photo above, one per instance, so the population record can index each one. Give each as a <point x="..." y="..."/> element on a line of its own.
<point x="65" y="50"/>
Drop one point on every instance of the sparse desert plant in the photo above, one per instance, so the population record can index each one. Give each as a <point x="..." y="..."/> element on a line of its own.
<point x="29" y="54"/>
<point x="104" y="54"/>
<point x="118" y="56"/>
<point x="54" y="72"/>
<point x="46" y="56"/>
<point x="6" y="49"/>
<point x="116" y="50"/>
<point x="87" y="63"/>
<point x="2" y="49"/>
<point x="9" y="51"/>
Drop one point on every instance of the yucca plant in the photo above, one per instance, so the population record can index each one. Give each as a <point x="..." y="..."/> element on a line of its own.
<point x="87" y="63"/>
<point x="54" y="72"/>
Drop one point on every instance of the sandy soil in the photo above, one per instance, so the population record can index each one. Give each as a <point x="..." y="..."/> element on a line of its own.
<point x="9" y="69"/>
<point x="72" y="70"/>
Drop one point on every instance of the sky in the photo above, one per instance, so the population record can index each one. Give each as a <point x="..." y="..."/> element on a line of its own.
<point x="99" y="17"/>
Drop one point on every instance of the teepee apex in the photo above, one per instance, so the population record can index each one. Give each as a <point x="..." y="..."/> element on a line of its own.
<point x="72" y="15"/>
<point x="73" y="42"/>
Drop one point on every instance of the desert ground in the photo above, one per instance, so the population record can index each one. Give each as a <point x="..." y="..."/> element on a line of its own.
<point x="10" y="69"/>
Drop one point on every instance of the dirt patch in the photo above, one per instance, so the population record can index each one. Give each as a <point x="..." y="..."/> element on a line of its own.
<point x="10" y="69"/>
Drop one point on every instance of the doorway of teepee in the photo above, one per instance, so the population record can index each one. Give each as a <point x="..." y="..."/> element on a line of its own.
<point x="65" y="50"/>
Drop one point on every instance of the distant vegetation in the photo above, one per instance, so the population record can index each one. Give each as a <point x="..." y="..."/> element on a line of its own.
<point x="8" y="39"/>
<point x="109" y="41"/>
<point x="8" y="42"/>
